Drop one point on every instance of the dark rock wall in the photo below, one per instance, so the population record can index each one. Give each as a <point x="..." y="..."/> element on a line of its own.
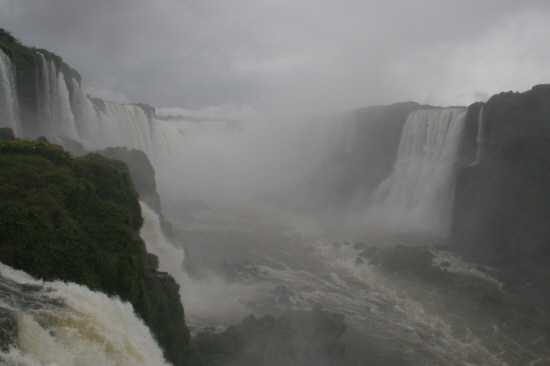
<point x="501" y="214"/>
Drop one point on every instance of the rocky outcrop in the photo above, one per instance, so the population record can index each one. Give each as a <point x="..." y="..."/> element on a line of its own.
<point x="166" y="320"/>
<point x="502" y="203"/>
<point x="143" y="176"/>
<point x="295" y="338"/>
<point x="78" y="220"/>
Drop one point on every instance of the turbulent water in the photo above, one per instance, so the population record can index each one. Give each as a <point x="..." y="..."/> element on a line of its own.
<point x="56" y="323"/>
<point x="392" y="319"/>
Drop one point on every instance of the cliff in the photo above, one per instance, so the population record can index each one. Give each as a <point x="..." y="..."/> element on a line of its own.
<point x="502" y="201"/>
<point x="143" y="176"/>
<point x="78" y="220"/>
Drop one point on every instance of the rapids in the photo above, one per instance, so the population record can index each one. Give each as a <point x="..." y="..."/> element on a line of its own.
<point x="392" y="319"/>
<point x="65" y="324"/>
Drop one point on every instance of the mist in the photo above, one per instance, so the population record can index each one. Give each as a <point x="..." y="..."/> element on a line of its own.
<point x="225" y="162"/>
<point x="327" y="183"/>
<point x="290" y="59"/>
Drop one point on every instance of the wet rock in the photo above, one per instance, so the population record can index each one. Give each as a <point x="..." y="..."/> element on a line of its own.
<point x="8" y="328"/>
<point x="359" y="261"/>
<point x="336" y="244"/>
<point x="152" y="261"/>
<point x="445" y="264"/>
<point x="359" y="246"/>
<point x="296" y="337"/>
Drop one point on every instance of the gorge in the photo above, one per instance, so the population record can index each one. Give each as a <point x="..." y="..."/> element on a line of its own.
<point x="266" y="217"/>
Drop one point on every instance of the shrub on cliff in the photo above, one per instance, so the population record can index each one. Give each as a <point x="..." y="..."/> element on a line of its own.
<point x="78" y="220"/>
<point x="55" y="224"/>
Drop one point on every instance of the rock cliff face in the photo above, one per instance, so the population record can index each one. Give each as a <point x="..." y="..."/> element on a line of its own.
<point x="143" y="176"/>
<point x="502" y="200"/>
<point x="78" y="220"/>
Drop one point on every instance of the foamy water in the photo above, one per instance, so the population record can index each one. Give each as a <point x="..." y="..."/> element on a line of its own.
<point x="66" y="324"/>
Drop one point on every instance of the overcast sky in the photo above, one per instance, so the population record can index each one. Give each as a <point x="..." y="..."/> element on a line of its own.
<point x="292" y="56"/>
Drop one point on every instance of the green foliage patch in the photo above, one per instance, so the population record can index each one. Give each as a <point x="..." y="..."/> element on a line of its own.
<point x="52" y="152"/>
<point x="78" y="220"/>
<point x="55" y="225"/>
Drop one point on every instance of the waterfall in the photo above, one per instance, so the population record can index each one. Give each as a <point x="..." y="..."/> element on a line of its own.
<point x="55" y="110"/>
<point x="170" y="257"/>
<point x="480" y="138"/>
<point x="418" y="194"/>
<point x="86" y="118"/>
<point x="9" y="110"/>
<point x="209" y="299"/>
<point x="126" y="125"/>
<point x="66" y="324"/>
<point x="64" y="110"/>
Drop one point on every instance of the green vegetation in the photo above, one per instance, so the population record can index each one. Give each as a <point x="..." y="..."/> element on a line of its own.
<point x="143" y="176"/>
<point x="52" y="152"/>
<point x="167" y="320"/>
<point x="78" y="220"/>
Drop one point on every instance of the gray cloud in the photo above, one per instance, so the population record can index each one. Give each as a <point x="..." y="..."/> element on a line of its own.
<point x="290" y="57"/>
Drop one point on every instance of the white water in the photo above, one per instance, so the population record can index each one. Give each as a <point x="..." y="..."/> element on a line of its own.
<point x="8" y="97"/>
<point x="56" y="115"/>
<point x="423" y="323"/>
<point x="66" y="324"/>
<point x="64" y="113"/>
<point x="418" y="195"/>
<point x="210" y="299"/>
<point x="480" y="138"/>
<point x="126" y="125"/>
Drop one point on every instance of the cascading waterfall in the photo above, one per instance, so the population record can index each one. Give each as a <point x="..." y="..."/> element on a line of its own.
<point x="170" y="257"/>
<point x="126" y="125"/>
<point x="64" y="110"/>
<point x="9" y="109"/>
<point x="85" y="117"/>
<point x="418" y="194"/>
<point x="55" y="106"/>
<point x="210" y="299"/>
<point x="480" y="138"/>
<point x="66" y="324"/>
